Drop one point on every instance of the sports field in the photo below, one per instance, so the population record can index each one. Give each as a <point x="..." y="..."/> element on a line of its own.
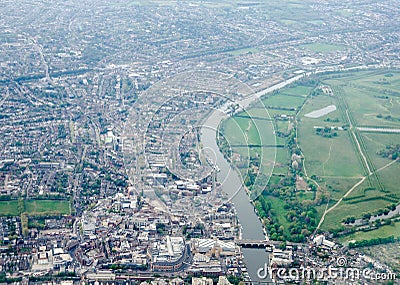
<point x="36" y="207"/>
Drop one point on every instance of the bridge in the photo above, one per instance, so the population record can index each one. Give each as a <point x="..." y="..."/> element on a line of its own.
<point x="248" y="243"/>
<point x="267" y="244"/>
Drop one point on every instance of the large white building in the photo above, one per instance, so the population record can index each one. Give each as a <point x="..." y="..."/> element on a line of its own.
<point x="168" y="254"/>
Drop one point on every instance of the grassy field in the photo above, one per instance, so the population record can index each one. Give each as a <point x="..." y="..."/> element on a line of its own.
<point x="282" y="126"/>
<point x="316" y="22"/>
<point x="284" y="101"/>
<point x="278" y="207"/>
<point x="251" y="135"/>
<point x="369" y="94"/>
<point x="383" y="232"/>
<point x="10" y="208"/>
<point x="326" y="156"/>
<point x="338" y="186"/>
<point x="323" y="47"/>
<point x="305" y="195"/>
<point x="365" y="96"/>
<point x="281" y="162"/>
<point x="339" y="162"/>
<point x="334" y="218"/>
<point x="378" y="141"/>
<point x="345" y="12"/>
<point x="288" y="22"/>
<point x="47" y="206"/>
<point x="299" y="90"/>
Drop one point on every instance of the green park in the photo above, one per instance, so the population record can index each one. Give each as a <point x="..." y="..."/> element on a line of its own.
<point x="325" y="150"/>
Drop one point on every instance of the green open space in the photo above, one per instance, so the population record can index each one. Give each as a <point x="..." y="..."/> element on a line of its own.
<point x="283" y="101"/>
<point x="316" y="22"/>
<point x="250" y="134"/>
<point x="9" y="208"/>
<point x="334" y="219"/>
<point x="298" y="90"/>
<point x="305" y="195"/>
<point x="338" y="186"/>
<point x="332" y="161"/>
<point x="365" y="94"/>
<point x="365" y="107"/>
<point x="282" y="126"/>
<point x="326" y="156"/>
<point x="278" y="208"/>
<point x="276" y="112"/>
<point x="390" y="180"/>
<point x="382" y="232"/>
<point x="323" y="47"/>
<point x="373" y="97"/>
<point x="47" y="206"/>
<point x="36" y="207"/>
<point x="375" y="142"/>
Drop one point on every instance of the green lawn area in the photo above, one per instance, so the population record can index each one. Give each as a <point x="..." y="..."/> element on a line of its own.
<point x="382" y="232"/>
<point x="361" y="95"/>
<point x="339" y="186"/>
<point x="278" y="210"/>
<point x="234" y="130"/>
<point x="284" y="101"/>
<point x="335" y="161"/>
<point x="42" y="206"/>
<point x="316" y="22"/>
<point x="329" y="156"/>
<point x="298" y="90"/>
<point x="9" y="208"/>
<point x="375" y="142"/>
<point x="326" y="156"/>
<point x="274" y="112"/>
<point x="282" y="158"/>
<point x="323" y="47"/>
<point x="390" y="179"/>
<point x="281" y="167"/>
<point x="369" y="94"/>
<point x="334" y="218"/>
<point x="282" y="126"/>
<point x="251" y="135"/>
<point x="365" y="108"/>
<point x="305" y="195"/>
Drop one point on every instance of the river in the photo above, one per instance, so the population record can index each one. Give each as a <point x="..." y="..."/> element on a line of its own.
<point x="232" y="183"/>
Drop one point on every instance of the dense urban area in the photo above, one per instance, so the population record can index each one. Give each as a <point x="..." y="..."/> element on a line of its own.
<point x="108" y="176"/>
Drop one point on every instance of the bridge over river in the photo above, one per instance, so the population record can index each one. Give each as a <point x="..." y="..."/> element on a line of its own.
<point x="267" y="244"/>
